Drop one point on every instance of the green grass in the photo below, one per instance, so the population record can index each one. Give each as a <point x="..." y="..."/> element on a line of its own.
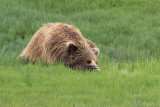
<point x="126" y="31"/>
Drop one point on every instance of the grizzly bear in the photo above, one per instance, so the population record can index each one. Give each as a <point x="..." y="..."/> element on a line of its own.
<point x="60" y="42"/>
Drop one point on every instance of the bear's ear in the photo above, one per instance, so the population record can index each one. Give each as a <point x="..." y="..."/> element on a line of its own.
<point x="71" y="47"/>
<point x="96" y="51"/>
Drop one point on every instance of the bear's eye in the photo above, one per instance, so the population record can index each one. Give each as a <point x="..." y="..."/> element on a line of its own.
<point x="88" y="62"/>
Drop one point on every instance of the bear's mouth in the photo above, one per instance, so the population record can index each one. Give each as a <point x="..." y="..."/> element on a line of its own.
<point x="90" y="68"/>
<point x="93" y="68"/>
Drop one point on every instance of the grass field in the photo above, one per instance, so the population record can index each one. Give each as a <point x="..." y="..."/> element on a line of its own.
<point x="126" y="31"/>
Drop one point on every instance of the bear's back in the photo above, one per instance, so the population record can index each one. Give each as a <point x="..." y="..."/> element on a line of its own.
<point x="51" y="38"/>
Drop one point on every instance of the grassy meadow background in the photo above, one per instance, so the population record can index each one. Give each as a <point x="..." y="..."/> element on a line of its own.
<point x="126" y="31"/>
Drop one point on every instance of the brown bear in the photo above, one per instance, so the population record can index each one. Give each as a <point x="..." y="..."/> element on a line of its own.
<point x="60" y="42"/>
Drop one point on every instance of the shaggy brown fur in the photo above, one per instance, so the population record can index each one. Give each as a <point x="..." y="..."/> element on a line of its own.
<point x="55" y="42"/>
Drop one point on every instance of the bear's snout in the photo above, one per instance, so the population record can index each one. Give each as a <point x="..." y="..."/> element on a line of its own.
<point x="95" y="68"/>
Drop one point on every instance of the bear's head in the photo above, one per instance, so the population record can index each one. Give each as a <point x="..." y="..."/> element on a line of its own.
<point x="81" y="57"/>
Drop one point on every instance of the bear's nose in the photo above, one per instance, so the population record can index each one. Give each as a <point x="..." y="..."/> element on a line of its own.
<point x="95" y="68"/>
